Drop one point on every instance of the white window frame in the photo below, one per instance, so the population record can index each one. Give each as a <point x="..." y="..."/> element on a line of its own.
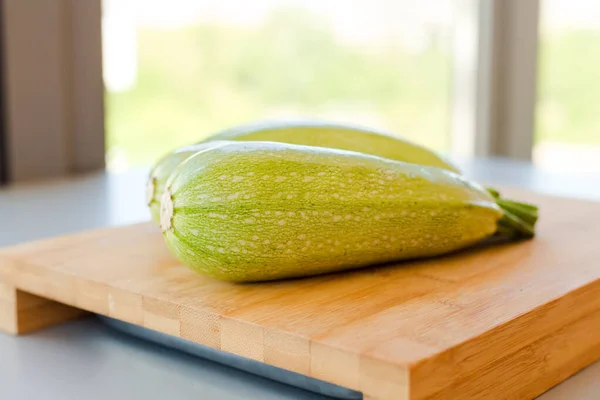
<point x="54" y="92"/>
<point x="495" y="79"/>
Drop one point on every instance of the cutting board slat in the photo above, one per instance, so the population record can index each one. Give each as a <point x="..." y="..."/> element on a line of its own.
<point x="501" y="321"/>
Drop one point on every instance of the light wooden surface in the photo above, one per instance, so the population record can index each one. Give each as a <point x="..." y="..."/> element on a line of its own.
<point x="22" y="312"/>
<point x="496" y="322"/>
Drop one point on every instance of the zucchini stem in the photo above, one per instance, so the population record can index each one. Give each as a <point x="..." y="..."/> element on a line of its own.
<point x="519" y="219"/>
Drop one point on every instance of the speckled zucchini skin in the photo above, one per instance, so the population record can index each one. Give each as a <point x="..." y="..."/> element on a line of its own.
<point x="255" y="211"/>
<point x="162" y="169"/>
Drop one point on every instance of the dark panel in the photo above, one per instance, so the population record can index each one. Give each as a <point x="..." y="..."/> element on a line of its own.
<point x="3" y="136"/>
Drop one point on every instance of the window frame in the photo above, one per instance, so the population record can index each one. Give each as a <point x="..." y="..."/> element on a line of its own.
<point x="53" y="94"/>
<point x="495" y="101"/>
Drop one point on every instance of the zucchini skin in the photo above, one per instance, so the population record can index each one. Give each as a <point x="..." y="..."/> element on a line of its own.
<point x="258" y="211"/>
<point x="162" y="169"/>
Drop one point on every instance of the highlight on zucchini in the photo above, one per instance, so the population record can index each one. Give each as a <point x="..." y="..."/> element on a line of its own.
<point x="343" y="136"/>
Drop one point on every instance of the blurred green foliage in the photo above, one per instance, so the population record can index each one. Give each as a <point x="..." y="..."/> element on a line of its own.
<point x="195" y="81"/>
<point x="569" y="88"/>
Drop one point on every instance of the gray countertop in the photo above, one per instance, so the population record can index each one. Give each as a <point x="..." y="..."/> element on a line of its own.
<point x="87" y="360"/>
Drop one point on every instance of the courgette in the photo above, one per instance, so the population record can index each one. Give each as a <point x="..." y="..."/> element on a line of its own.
<point x="256" y="211"/>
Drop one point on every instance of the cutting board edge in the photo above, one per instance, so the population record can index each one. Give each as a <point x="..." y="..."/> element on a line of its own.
<point x="538" y="364"/>
<point x="414" y="376"/>
<point x="426" y="375"/>
<point x="527" y="352"/>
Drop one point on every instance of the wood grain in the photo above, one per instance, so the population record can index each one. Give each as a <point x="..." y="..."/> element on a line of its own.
<point x="22" y="312"/>
<point x="501" y="321"/>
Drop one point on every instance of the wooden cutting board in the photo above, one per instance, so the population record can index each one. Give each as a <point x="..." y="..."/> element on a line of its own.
<point x="503" y="321"/>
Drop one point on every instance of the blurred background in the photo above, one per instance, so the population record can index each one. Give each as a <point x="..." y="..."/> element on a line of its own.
<point x="463" y="77"/>
<point x="179" y="70"/>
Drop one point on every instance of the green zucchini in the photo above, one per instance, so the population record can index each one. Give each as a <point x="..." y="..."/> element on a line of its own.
<point x="256" y="211"/>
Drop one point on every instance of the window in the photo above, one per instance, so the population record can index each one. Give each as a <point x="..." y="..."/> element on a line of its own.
<point x="465" y="77"/>
<point x="177" y="71"/>
<point x="567" y="132"/>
